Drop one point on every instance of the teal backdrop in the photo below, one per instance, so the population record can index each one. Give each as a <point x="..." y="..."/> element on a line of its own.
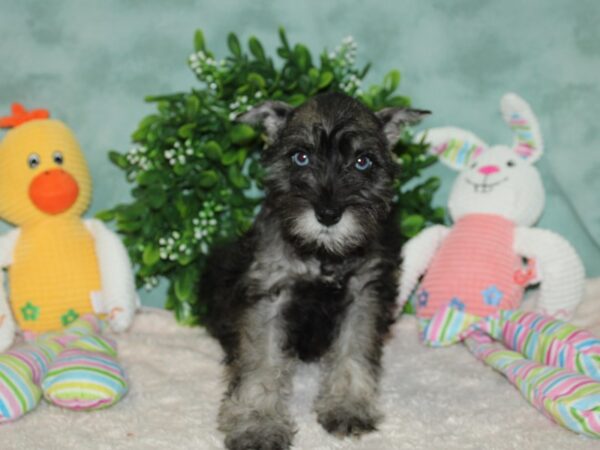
<point x="92" y="62"/>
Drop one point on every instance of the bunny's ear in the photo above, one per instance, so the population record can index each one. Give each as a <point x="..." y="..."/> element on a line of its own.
<point x="455" y="147"/>
<point x="518" y="115"/>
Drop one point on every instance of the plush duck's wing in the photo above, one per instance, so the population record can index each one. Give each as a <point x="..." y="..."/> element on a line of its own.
<point x="118" y="286"/>
<point x="8" y="327"/>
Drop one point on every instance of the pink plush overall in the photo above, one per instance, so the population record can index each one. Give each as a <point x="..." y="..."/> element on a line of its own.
<point x="474" y="269"/>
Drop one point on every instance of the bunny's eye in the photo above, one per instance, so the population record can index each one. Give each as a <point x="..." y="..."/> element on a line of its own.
<point x="511" y="163"/>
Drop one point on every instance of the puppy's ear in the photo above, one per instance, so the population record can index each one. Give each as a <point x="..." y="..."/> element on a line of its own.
<point x="395" y="119"/>
<point x="271" y="115"/>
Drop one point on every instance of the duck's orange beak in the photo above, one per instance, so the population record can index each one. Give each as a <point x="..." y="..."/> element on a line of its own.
<point x="53" y="191"/>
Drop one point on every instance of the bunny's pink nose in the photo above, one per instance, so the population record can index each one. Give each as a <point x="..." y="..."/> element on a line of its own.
<point x="488" y="170"/>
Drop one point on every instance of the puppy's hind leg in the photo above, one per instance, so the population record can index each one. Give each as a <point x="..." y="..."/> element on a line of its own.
<point x="346" y="404"/>
<point x="254" y="413"/>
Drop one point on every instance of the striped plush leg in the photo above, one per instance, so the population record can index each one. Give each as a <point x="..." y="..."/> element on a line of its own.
<point x="21" y="370"/>
<point x="546" y="340"/>
<point x="86" y="375"/>
<point x="566" y="397"/>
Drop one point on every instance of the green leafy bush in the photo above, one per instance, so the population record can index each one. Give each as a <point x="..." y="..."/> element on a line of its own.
<point x="195" y="173"/>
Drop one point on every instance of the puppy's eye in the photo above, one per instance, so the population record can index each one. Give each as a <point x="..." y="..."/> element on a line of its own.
<point x="300" y="159"/>
<point x="363" y="163"/>
<point x="58" y="158"/>
<point x="33" y="160"/>
<point x="511" y="163"/>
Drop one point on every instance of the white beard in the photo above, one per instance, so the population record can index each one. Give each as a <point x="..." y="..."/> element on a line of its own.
<point x="336" y="238"/>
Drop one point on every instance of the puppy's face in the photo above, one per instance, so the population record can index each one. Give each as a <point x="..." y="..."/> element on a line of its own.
<point x="329" y="171"/>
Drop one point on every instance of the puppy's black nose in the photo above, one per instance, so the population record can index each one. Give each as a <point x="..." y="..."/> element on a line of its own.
<point x="328" y="216"/>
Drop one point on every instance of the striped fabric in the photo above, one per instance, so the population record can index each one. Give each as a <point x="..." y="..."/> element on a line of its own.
<point x="84" y="380"/>
<point x="547" y="341"/>
<point x="21" y="370"/>
<point x="458" y="150"/>
<point x="521" y="127"/>
<point x="566" y="397"/>
<point x="446" y="327"/>
<point x="555" y="365"/>
<point x="74" y="369"/>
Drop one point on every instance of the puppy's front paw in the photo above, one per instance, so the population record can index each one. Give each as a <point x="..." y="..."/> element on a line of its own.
<point x="263" y="438"/>
<point x="344" y="421"/>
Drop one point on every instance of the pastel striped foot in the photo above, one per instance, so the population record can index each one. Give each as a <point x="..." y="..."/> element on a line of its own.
<point x="84" y="380"/>
<point x="18" y="393"/>
<point x="566" y="397"/>
<point x="21" y="370"/>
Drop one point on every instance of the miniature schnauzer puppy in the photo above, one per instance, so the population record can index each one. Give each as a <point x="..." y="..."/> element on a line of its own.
<point x="315" y="278"/>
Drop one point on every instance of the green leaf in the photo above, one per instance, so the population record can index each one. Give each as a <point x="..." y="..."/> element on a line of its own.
<point x="412" y="224"/>
<point x="234" y="45"/>
<point x="391" y="80"/>
<point x="283" y="38"/>
<point x="297" y="99"/>
<point x="241" y="155"/>
<point x="199" y="44"/>
<point x="149" y="178"/>
<point x="236" y="178"/>
<point x="325" y="79"/>
<point x="256" y="48"/>
<point x="302" y="57"/>
<point x="228" y="158"/>
<point x="241" y="133"/>
<point x="398" y="101"/>
<point x="186" y="130"/>
<point x="192" y="105"/>
<point x="148" y="121"/>
<point x="184" y="285"/>
<point x="128" y="227"/>
<point x="184" y="259"/>
<point x="156" y="197"/>
<point x="118" y="159"/>
<point x="108" y="215"/>
<point x="208" y="178"/>
<point x="257" y="80"/>
<point x="212" y="150"/>
<point x="151" y="255"/>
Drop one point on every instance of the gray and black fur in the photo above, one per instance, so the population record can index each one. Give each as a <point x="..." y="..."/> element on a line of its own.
<point x="315" y="278"/>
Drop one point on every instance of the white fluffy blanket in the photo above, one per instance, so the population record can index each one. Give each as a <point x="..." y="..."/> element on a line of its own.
<point x="432" y="399"/>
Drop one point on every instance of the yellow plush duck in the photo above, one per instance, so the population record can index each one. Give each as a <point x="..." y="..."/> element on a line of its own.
<point x="60" y="266"/>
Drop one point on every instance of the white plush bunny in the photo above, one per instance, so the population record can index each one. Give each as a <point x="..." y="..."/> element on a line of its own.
<point x="494" y="202"/>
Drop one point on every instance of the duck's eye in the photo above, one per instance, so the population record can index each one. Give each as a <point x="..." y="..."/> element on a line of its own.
<point x="511" y="163"/>
<point x="473" y="165"/>
<point x="33" y="160"/>
<point x="363" y="163"/>
<point x="58" y="158"/>
<point x="300" y="159"/>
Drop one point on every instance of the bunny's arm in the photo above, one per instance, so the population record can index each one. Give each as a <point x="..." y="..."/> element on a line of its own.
<point x="559" y="268"/>
<point x="417" y="254"/>
<point x="118" y="286"/>
<point x="8" y="327"/>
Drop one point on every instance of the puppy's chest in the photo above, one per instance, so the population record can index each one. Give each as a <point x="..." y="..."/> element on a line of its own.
<point x="311" y="299"/>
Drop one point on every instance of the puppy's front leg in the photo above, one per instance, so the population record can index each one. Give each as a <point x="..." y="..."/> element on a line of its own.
<point x="254" y="413"/>
<point x="346" y="404"/>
